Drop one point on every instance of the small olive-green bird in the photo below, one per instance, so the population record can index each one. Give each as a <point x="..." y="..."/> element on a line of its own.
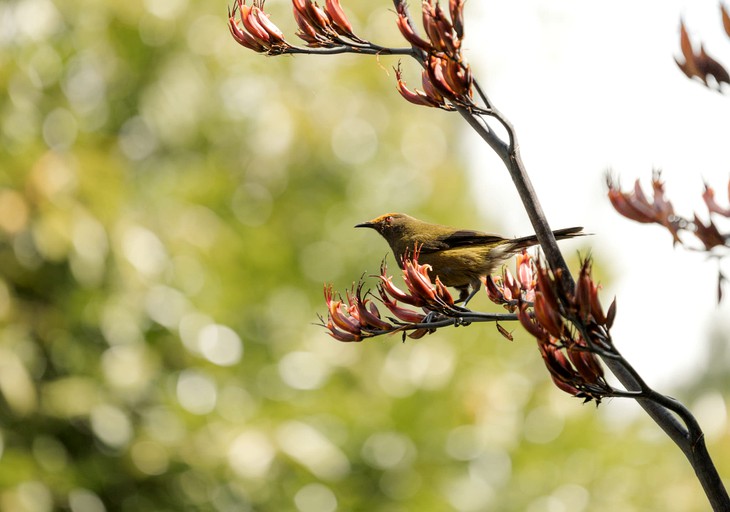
<point x="459" y="257"/>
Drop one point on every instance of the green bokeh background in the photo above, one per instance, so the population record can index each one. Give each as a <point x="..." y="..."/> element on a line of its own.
<point x="170" y="206"/>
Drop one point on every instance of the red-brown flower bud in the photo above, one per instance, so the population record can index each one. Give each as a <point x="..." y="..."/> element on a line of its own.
<point x="709" y="197"/>
<point x="409" y="31"/>
<point x="585" y="364"/>
<point x="403" y="314"/>
<point x="456" y="9"/>
<point x="306" y="31"/>
<point x="417" y="280"/>
<point x="530" y="325"/>
<point x="443" y="293"/>
<point x="548" y="318"/>
<point x="275" y="35"/>
<point x="494" y="292"/>
<point x="386" y="286"/>
<point x="339" y="315"/>
<point x="630" y="209"/>
<point x="368" y="313"/>
<point x="429" y="97"/>
<point x="341" y="335"/>
<point x="611" y="315"/>
<point x="708" y="234"/>
<point x="244" y="38"/>
<point x="337" y="15"/>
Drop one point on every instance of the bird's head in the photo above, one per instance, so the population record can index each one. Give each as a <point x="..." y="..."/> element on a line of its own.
<point x="391" y="226"/>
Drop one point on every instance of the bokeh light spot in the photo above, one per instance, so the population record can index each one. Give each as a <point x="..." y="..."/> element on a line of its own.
<point x="111" y="425"/>
<point x="13" y="211"/>
<point x="70" y="397"/>
<point x="387" y="450"/>
<point x="53" y="175"/>
<point x="84" y="500"/>
<point x="250" y="454"/>
<point x="35" y="497"/>
<point x="575" y="498"/>
<point x="36" y="19"/>
<point x="166" y="306"/>
<point x="144" y="251"/>
<point x="89" y="239"/>
<point x="149" y="457"/>
<point x="220" y="344"/>
<point x="127" y="367"/>
<point x="60" y="129"/>
<point x="467" y="494"/>
<point x="196" y="392"/>
<point x="312" y="449"/>
<point x="84" y="85"/>
<point x="16" y="383"/>
<point x="303" y="370"/>
<point x="315" y="498"/>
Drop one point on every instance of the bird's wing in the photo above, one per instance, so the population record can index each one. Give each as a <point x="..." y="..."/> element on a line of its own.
<point x="461" y="238"/>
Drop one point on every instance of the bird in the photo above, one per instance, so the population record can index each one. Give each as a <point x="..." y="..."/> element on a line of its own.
<point x="459" y="257"/>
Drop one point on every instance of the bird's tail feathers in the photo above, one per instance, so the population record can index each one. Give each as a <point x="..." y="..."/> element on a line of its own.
<point x="528" y="241"/>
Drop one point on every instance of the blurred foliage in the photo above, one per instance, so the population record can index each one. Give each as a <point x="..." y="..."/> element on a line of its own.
<point x="170" y="206"/>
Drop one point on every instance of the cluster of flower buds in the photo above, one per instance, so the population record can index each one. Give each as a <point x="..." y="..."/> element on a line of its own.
<point x="446" y="77"/>
<point x="322" y="27"/>
<point x="699" y="64"/>
<point x="319" y="27"/>
<point x="509" y="292"/>
<point x="358" y="316"/>
<point x="254" y="30"/>
<point x="422" y="291"/>
<point x="428" y="97"/>
<point x="354" y="319"/>
<point x="570" y="326"/>
<point x="635" y="205"/>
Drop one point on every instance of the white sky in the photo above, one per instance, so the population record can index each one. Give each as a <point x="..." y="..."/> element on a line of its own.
<point x="591" y="86"/>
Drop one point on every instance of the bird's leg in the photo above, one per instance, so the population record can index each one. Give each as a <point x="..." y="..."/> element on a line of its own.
<point x="432" y="316"/>
<point x="466" y="296"/>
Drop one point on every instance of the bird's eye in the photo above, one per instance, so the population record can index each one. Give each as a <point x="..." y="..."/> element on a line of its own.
<point x="389" y="219"/>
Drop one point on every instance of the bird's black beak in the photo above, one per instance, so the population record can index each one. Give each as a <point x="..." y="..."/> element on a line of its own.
<point x="365" y="225"/>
